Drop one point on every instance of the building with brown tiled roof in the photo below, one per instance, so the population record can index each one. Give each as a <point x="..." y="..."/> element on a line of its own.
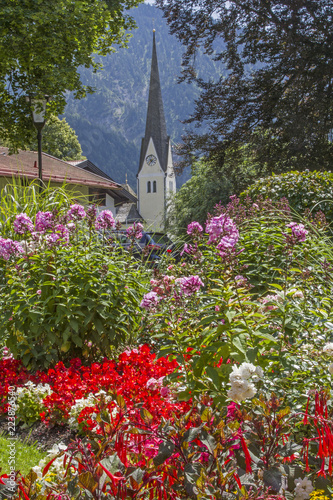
<point x="100" y="189"/>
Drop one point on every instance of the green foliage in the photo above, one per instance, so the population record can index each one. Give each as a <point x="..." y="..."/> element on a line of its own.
<point x="276" y="95"/>
<point x="211" y="183"/>
<point x="59" y="297"/>
<point x="42" y="46"/>
<point x="59" y="140"/>
<point x="16" y="199"/>
<point x="260" y="306"/>
<point x="305" y="191"/>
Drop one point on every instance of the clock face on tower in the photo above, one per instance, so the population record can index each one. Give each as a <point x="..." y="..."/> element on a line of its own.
<point x="151" y="160"/>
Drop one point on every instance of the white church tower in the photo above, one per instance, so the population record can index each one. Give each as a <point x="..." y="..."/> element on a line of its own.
<point x="155" y="177"/>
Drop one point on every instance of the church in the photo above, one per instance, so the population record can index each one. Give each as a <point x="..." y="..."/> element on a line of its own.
<point x="155" y="178"/>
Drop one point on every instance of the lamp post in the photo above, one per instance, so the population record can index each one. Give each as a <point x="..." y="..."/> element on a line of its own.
<point x="38" y="108"/>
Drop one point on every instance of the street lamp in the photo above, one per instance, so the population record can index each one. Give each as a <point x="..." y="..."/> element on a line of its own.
<point x="38" y="108"/>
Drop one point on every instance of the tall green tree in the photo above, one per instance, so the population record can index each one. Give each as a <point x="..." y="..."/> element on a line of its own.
<point x="42" y="45"/>
<point x="209" y="185"/>
<point x="59" y="140"/>
<point x="278" y="94"/>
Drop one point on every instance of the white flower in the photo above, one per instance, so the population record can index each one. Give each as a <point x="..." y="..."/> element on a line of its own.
<point x="303" y="488"/>
<point x="38" y="471"/>
<point x="330" y="368"/>
<point x="246" y="370"/>
<point x="328" y="348"/>
<point x="241" y="386"/>
<point x="298" y="295"/>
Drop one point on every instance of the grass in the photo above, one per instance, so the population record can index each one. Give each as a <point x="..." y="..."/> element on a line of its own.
<point x="26" y="455"/>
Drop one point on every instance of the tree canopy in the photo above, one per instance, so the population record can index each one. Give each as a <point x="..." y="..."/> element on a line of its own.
<point x="277" y="93"/>
<point x="59" y="140"/>
<point x="42" y="45"/>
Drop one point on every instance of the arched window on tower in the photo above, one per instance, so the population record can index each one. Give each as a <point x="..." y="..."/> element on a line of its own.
<point x="148" y="187"/>
<point x="154" y="186"/>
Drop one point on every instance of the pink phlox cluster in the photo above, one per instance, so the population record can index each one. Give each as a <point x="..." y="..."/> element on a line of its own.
<point x="194" y="228"/>
<point x="91" y="214"/>
<point x="105" y="220"/>
<point x="135" y="231"/>
<point x="189" y="249"/>
<point x="190" y="284"/>
<point x="150" y="300"/>
<point x="222" y="229"/>
<point x="298" y="230"/>
<point x="71" y="227"/>
<point x="44" y="221"/>
<point x="76" y="212"/>
<point x="9" y="248"/>
<point x="63" y="232"/>
<point x="52" y="239"/>
<point x="23" y="224"/>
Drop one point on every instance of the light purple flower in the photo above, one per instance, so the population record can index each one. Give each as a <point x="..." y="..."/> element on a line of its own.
<point x="76" y="212"/>
<point x="298" y="230"/>
<point x="52" y="239"/>
<point x="63" y="232"/>
<point x="105" y="220"/>
<point x="9" y="248"/>
<point x="190" y="249"/>
<point x="150" y="300"/>
<point x="23" y="224"/>
<point x="135" y="231"/>
<point x="194" y="228"/>
<point x="190" y="284"/>
<point x="44" y="221"/>
<point x="91" y="214"/>
<point x="222" y="228"/>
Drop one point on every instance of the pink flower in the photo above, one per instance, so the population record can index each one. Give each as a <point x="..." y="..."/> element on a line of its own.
<point x="9" y="248"/>
<point x="105" y="220"/>
<point x="221" y="229"/>
<point x="298" y="230"/>
<point x="44" y="221"/>
<point x="76" y="212"/>
<point x="191" y="284"/>
<point x="150" y="300"/>
<point x="165" y="392"/>
<point x="23" y="224"/>
<point x="39" y="292"/>
<point x="135" y="231"/>
<point x="194" y="228"/>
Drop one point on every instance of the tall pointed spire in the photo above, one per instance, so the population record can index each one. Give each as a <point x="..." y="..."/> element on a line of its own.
<point x="155" y="121"/>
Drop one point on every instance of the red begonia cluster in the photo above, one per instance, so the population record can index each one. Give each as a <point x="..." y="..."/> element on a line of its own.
<point x="128" y="377"/>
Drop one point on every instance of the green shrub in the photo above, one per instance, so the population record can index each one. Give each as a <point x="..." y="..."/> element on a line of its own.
<point x="69" y="293"/>
<point x="304" y="190"/>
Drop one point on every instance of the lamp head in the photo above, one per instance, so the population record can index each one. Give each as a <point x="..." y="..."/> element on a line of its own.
<point x="38" y="108"/>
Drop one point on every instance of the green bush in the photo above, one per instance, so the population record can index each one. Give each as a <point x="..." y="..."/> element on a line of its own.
<point x="69" y="293"/>
<point x="304" y="190"/>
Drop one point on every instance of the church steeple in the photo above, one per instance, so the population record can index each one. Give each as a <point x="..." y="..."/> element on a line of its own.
<point x="155" y="121"/>
<point x="155" y="177"/>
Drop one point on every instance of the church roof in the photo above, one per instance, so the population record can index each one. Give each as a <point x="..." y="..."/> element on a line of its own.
<point x="155" y="122"/>
<point x="127" y="213"/>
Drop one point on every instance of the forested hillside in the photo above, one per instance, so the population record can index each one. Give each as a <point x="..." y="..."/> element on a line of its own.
<point x="111" y="122"/>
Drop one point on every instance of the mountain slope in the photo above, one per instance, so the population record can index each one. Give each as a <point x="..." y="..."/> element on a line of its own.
<point x="111" y="122"/>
